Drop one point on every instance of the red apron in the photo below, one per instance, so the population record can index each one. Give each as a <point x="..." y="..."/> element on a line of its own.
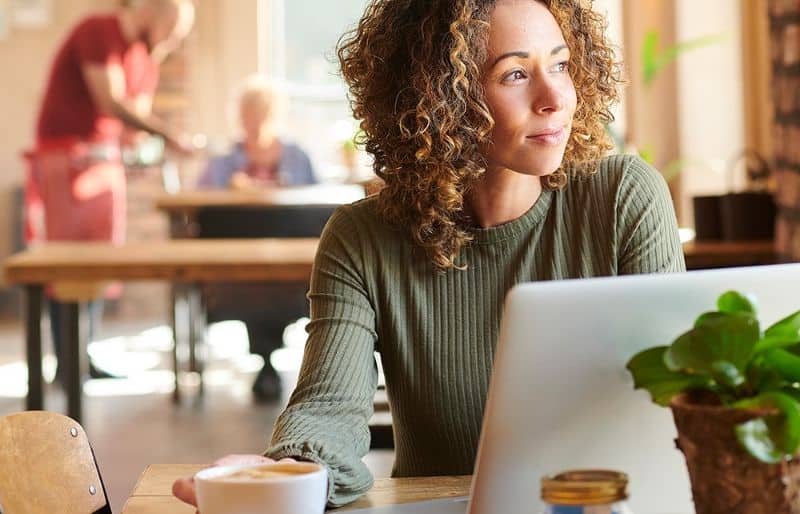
<point x="75" y="191"/>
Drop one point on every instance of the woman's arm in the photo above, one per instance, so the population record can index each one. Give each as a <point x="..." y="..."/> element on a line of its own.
<point x="648" y="230"/>
<point x="218" y="172"/>
<point x="328" y="414"/>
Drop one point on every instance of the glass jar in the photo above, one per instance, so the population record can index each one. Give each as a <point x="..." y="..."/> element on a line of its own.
<point x="586" y="492"/>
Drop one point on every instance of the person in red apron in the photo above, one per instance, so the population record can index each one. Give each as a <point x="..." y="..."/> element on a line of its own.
<point x="101" y="83"/>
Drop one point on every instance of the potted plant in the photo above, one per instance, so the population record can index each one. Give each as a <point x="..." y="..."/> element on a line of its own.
<point x="734" y="391"/>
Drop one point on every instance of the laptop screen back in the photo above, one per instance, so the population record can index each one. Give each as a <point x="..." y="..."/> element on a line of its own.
<point x="560" y="397"/>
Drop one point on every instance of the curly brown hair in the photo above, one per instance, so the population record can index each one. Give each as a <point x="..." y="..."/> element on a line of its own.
<point x="414" y="72"/>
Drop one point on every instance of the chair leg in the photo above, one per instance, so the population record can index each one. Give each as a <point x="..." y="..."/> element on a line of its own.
<point x="33" y="318"/>
<point x="75" y="362"/>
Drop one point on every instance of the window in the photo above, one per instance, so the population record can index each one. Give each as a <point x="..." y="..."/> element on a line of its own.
<point x="299" y="52"/>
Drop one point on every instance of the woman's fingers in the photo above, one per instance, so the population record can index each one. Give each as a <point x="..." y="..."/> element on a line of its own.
<point x="242" y="460"/>
<point x="183" y="489"/>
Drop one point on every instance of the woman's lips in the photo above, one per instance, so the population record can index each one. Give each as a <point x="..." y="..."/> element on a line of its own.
<point x="549" y="137"/>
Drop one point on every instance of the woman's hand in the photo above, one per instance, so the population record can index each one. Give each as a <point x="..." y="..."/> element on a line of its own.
<point x="241" y="181"/>
<point x="183" y="488"/>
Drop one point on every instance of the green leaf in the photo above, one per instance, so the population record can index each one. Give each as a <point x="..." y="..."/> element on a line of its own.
<point x="773" y="437"/>
<point x="762" y="377"/>
<point x="727" y="375"/>
<point x="721" y="337"/>
<point x="733" y="302"/>
<point x="786" y="364"/>
<point x="650" y="64"/>
<point x="650" y="373"/>
<point x="673" y="168"/>
<point x="648" y="154"/>
<point x="788" y="328"/>
<point x="774" y="342"/>
<point x="654" y="60"/>
<point x="792" y="391"/>
<point x="709" y="317"/>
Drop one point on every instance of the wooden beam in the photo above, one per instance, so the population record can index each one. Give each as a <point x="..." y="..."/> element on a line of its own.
<point x="757" y="97"/>
<point x="652" y="112"/>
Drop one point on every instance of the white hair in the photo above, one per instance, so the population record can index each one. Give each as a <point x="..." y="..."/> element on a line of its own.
<point x="259" y="90"/>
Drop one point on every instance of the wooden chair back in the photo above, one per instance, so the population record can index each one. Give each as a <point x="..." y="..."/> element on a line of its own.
<point x="47" y="465"/>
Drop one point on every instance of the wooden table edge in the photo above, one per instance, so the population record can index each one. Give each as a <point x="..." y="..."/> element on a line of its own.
<point x="385" y="491"/>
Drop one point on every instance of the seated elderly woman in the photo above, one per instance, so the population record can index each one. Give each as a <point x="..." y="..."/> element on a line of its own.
<point x="485" y="119"/>
<point x="260" y="160"/>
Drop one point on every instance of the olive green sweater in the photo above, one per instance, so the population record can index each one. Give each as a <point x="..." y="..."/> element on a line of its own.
<point x="371" y="290"/>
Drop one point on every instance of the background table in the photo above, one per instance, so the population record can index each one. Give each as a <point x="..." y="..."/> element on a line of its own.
<point x="725" y="254"/>
<point x="78" y="268"/>
<point x="183" y="209"/>
<point x="153" y="493"/>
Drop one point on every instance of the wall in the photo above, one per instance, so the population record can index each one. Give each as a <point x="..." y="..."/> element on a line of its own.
<point x="710" y="89"/>
<point x="223" y="52"/>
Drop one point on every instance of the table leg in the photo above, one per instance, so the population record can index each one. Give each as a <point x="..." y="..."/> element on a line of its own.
<point x="182" y="225"/>
<point x="74" y="359"/>
<point x="33" y="343"/>
<point x="178" y="320"/>
<point x="197" y="331"/>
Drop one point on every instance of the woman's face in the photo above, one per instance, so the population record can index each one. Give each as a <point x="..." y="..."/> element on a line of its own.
<point x="528" y="88"/>
<point x="256" y="119"/>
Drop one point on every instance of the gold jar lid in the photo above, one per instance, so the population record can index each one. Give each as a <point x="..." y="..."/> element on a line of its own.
<point x="585" y="487"/>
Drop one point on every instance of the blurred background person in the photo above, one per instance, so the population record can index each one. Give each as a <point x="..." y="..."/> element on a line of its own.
<point x="101" y="82"/>
<point x="261" y="159"/>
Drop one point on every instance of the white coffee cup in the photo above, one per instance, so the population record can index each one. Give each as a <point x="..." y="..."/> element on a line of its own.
<point x="291" y="488"/>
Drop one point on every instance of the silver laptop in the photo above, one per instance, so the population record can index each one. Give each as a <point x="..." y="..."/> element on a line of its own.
<point x="560" y="396"/>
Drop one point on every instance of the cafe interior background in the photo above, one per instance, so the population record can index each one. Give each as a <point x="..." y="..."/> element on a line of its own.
<point x="692" y="116"/>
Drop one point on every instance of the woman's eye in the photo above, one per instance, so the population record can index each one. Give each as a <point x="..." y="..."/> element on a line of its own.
<point x="514" y="75"/>
<point x="561" y="67"/>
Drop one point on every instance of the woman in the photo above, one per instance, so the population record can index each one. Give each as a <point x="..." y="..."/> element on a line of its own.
<point x="486" y="121"/>
<point x="261" y="159"/>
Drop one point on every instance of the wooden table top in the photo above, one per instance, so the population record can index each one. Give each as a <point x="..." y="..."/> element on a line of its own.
<point x="304" y="195"/>
<point x="189" y="260"/>
<point x="716" y="254"/>
<point x="208" y="260"/>
<point x="153" y="493"/>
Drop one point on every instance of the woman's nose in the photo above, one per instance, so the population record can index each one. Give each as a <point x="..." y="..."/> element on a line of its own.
<point x="548" y="97"/>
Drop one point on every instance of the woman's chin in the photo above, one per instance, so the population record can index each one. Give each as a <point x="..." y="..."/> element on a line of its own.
<point x="541" y="164"/>
<point x="541" y="170"/>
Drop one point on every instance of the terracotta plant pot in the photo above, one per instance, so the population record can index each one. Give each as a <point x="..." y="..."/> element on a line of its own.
<point x="725" y="478"/>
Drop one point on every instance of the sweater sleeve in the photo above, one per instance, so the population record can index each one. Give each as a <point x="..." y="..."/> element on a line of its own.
<point x="217" y="173"/>
<point x="327" y="418"/>
<point x="648" y="240"/>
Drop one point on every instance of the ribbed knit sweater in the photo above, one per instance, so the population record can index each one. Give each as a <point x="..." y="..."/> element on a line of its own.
<point x="372" y="290"/>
